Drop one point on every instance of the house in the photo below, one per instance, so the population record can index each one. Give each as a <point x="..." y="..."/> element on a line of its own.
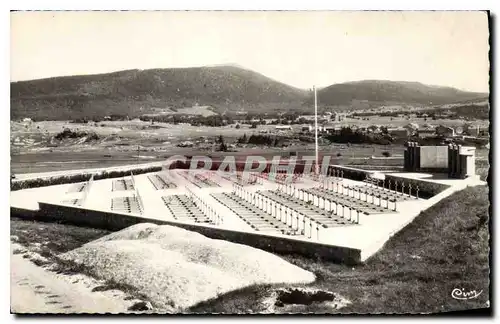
<point x="27" y="120"/>
<point x="310" y="128"/>
<point x="445" y="131"/>
<point x="283" y="127"/>
<point x="306" y="117"/>
<point x="329" y="129"/>
<point x="338" y="117"/>
<point x="426" y="132"/>
<point x="306" y="129"/>
<point x="484" y="131"/>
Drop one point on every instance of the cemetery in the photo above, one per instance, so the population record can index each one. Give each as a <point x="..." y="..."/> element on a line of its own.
<point x="342" y="214"/>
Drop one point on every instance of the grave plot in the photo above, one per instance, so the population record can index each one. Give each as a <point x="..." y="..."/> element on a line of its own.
<point x="378" y="198"/>
<point x="200" y="180"/>
<point x="363" y="201"/>
<point x="122" y="184"/>
<point x="253" y="216"/>
<point x="281" y="178"/>
<point x="240" y="179"/>
<point x="184" y="209"/>
<point x="126" y="205"/>
<point x="161" y="181"/>
<point x="401" y="192"/>
<point x="77" y="187"/>
<point x="76" y="202"/>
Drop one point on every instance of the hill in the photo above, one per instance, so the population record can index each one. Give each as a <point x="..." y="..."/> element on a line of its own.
<point x="134" y="92"/>
<point x="368" y="93"/>
<point x="221" y="88"/>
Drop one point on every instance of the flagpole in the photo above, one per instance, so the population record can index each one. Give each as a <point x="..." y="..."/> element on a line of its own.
<point x="316" y="128"/>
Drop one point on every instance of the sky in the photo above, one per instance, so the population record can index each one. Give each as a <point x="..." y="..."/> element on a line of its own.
<point x="301" y="49"/>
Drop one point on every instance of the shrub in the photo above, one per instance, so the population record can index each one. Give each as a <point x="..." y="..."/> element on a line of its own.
<point x="386" y="154"/>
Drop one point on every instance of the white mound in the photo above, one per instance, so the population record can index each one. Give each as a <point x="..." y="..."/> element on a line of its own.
<point x="177" y="268"/>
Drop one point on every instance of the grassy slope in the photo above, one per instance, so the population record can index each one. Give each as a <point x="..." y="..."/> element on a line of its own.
<point x="446" y="247"/>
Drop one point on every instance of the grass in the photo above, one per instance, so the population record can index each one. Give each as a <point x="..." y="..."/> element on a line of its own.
<point x="57" y="238"/>
<point x="51" y="239"/>
<point x="446" y="247"/>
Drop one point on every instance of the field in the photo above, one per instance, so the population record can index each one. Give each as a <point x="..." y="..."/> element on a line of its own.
<point x="34" y="149"/>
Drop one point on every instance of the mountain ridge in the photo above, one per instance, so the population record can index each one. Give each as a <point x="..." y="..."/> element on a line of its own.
<point x="224" y="87"/>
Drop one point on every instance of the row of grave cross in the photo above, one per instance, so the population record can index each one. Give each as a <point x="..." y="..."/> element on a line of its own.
<point x="196" y="178"/>
<point x="278" y="176"/>
<point x="305" y="195"/>
<point x="363" y="193"/>
<point x="214" y="217"/>
<point x="291" y="217"/>
<point x="137" y="194"/>
<point x="261" y="202"/>
<point x="396" y="184"/>
<point x="338" y="206"/>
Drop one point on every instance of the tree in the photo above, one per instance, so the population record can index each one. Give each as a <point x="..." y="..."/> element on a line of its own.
<point x="243" y="139"/>
<point x="237" y="126"/>
<point x="222" y="146"/>
<point x="254" y="125"/>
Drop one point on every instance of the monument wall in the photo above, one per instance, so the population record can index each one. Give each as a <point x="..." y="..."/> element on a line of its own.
<point x="435" y="157"/>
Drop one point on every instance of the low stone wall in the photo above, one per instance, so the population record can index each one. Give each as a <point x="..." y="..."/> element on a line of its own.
<point x="115" y="221"/>
<point x="24" y="213"/>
